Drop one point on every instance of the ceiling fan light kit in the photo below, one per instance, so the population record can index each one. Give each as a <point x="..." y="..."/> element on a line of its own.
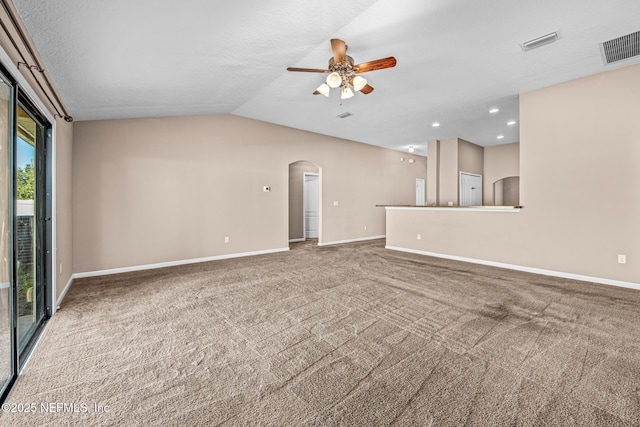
<point x="324" y="89"/>
<point x="334" y="80"/>
<point x="359" y="83"/>
<point x="346" y="92"/>
<point x="344" y="74"/>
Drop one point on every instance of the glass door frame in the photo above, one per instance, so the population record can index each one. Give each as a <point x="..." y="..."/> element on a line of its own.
<point x="11" y="306"/>
<point x="22" y="95"/>
<point x="43" y="215"/>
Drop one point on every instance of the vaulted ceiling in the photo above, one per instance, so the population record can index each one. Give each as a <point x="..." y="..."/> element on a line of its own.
<point x="456" y="59"/>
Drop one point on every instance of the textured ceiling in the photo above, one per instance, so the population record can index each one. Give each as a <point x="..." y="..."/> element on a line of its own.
<point x="456" y="60"/>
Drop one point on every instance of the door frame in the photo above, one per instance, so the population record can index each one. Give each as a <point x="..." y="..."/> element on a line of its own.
<point x="460" y="186"/>
<point x="19" y="83"/>
<point x="304" y="200"/>
<point x="424" y="191"/>
<point x="5" y="388"/>
<point x="43" y="219"/>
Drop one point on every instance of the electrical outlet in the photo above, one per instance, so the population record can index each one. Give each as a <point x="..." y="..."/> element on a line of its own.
<point x="419" y="236"/>
<point x="226" y="239"/>
<point x="622" y="259"/>
<point x="336" y="203"/>
<point x="365" y="228"/>
<point x="266" y="188"/>
<point x="60" y="268"/>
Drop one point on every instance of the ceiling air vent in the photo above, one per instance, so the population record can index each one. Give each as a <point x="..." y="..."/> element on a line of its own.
<point x="540" y="41"/>
<point x="624" y="47"/>
<point x="344" y="115"/>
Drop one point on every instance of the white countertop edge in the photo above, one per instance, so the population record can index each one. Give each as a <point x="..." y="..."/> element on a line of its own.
<point x="452" y="209"/>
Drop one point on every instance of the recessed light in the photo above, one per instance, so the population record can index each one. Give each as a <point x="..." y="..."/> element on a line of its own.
<point x="494" y="110"/>
<point x="500" y="136"/>
<point x="511" y="123"/>
<point x="435" y="124"/>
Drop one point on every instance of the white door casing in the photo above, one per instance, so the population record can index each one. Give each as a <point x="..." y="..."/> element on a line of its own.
<point x="420" y="195"/>
<point x="311" y="205"/>
<point x="470" y="189"/>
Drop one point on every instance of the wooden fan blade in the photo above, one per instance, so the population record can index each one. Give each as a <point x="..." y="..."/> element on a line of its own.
<point x="308" y="70"/>
<point x="339" y="48"/>
<point x="367" y="89"/>
<point x="378" y="64"/>
<point x="316" y="93"/>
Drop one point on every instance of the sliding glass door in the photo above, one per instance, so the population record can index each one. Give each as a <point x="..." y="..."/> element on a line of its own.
<point x="31" y="218"/>
<point x="25" y="228"/>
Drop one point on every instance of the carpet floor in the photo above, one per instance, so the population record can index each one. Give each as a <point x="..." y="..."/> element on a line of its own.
<point x="352" y="335"/>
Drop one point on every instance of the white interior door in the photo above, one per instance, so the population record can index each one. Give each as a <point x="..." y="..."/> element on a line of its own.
<point x="311" y="201"/>
<point x="419" y="191"/>
<point x="470" y="189"/>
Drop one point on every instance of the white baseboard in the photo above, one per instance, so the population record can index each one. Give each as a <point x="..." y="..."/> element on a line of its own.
<point x="64" y="292"/>
<point x="297" y="240"/>
<point x="174" y="263"/>
<point x="553" y="273"/>
<point x="362" y="239"/>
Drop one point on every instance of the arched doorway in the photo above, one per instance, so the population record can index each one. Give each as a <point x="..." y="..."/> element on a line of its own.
<point x="305" y="196"/>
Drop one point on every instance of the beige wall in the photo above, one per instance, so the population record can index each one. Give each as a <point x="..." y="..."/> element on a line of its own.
<point x="448" y="179"/>
<point x="500" y="161"/>
<point x="579" y="181"/>
<point x="506" y="191"/>
<point x="296" y="197"/>
<point x="64" y="204"/>
<point x="470" y="158"/>
<point x="433" y="172"/>
<point x="149" y="191"/>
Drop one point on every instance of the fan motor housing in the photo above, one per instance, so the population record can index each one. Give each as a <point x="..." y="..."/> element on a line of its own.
<point x="333" y="65"/>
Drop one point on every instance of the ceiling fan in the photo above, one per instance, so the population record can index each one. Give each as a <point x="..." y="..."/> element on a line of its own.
<point x="344" y="74"/>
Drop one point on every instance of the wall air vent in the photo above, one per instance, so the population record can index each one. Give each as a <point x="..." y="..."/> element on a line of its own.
<point x="540" y="41"/>
<point x="344" y="115"/>
<point x="620" y="48"/>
